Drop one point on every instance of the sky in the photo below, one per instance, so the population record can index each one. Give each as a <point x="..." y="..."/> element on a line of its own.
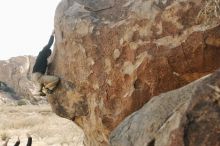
<point x="25" y="26"/>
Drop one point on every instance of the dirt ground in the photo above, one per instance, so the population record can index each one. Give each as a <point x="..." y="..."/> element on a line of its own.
<point x="46" y="128"/>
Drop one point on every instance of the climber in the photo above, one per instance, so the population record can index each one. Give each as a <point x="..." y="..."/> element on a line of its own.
<point x="44" y="83"/>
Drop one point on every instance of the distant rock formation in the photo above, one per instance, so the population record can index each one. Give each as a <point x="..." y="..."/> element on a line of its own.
<point x="188" y="116"/>
<point x="15" y="73"/>
<point x="113" y="56"/>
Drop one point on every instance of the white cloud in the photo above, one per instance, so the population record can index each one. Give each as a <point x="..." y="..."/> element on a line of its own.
<point x="25" y="26"/>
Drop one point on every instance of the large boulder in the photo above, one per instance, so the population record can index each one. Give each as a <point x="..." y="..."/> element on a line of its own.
<point x="113" y="56"/>
<point x="188" y="116"/>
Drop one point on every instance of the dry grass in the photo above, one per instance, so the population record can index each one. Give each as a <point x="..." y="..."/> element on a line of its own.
<point x="46" y="128"/>
<point x="4" y="136"/>
<point x="210" y="12"/>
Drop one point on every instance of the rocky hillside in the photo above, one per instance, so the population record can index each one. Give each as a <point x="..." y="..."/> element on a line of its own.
<point x="113" y="56"/>
<point x="15" y="73"/>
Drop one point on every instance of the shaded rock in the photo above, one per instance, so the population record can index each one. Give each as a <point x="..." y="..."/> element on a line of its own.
<point x="7" y="94"/>
<point x="188" y="116"/>
<point x="7" y="98"/>
<point x="118" y="55"/>
<point x="4" y="87"/>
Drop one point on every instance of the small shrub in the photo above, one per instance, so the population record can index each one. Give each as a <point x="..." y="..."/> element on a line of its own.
<point x="4" y="136"/>
<point x="21" y="102"/>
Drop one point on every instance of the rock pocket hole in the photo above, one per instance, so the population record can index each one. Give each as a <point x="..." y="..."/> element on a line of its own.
<point x="138" y="84"/>
<point x="152" y="143"/>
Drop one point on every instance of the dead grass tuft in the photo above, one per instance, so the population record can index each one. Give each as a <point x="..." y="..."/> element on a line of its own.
<point x="4" y="136"/>
<point x="210" y="12"/>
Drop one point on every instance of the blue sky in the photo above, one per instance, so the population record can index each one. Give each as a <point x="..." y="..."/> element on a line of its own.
<point x="25" y="26"/>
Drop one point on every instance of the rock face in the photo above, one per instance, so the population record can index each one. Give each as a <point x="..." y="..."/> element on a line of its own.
<point x="113" y="55"/>
<point x="7" y="94"/>
<point x="188" y="116"/>
<point x="15" y="72"/>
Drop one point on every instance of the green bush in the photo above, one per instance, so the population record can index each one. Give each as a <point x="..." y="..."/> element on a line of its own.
<point x="21" y="102"/>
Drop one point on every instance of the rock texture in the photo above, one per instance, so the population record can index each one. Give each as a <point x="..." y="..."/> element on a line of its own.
<point x="15" y="72"/>
<point x="7" y="94"/>
<point x="113" y="55"/>
<point x="188" y="116"/>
